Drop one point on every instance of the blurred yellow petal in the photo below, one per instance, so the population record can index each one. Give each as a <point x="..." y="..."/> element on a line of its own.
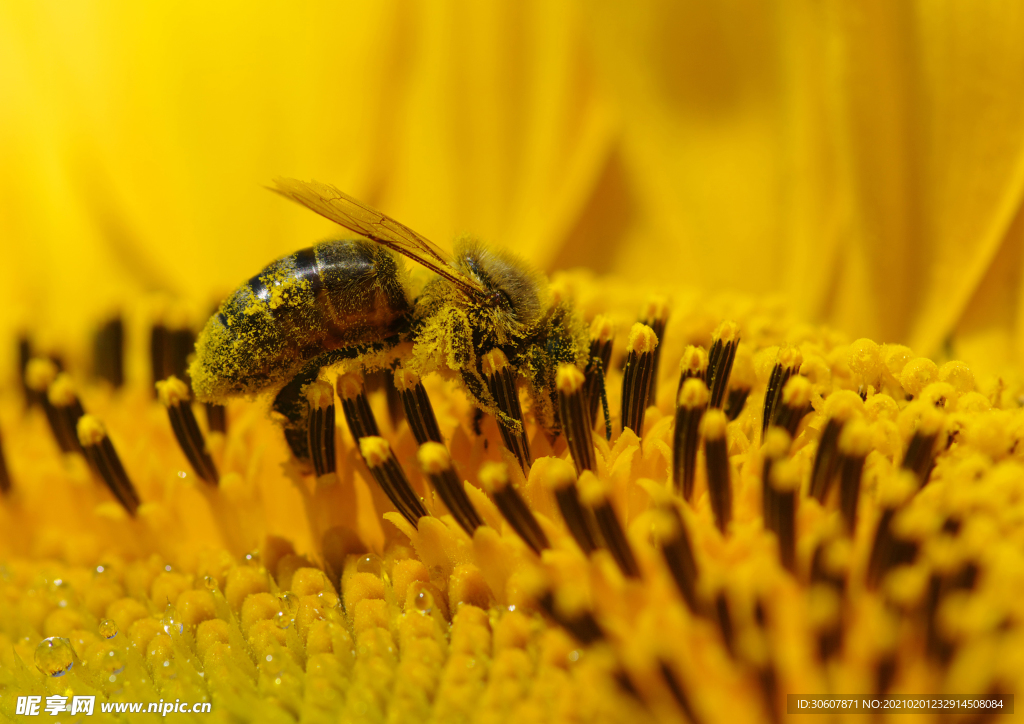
<point x="864" y="159"/>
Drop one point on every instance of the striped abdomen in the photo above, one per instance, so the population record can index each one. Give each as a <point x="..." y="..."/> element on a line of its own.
<point x="337" y="294"/>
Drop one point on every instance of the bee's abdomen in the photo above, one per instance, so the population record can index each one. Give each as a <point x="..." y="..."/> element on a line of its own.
<point x="334" y="295"/>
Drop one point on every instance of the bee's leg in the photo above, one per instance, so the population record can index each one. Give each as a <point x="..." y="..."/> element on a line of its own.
<point x="597" y="367"/>
<point x="291" y="403"/>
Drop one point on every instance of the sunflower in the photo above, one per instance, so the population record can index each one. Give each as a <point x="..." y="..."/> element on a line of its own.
<point x="759" y="511"/>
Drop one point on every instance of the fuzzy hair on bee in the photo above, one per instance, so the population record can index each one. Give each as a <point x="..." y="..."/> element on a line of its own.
<point x="485" y="320"/>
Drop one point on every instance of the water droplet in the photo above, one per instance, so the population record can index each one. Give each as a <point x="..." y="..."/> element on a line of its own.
<point x="54" y="656"/>
<point x="369" y="564"/>
<point x="107" y="629"/>
<point x="112" y="661"/>
<point x="172" y="622"/>
<point x="168" y="568"/>
<point x="511" y="608"/>
<point x="574" y="655"/>
<point x="288" y="605"/>
<point x="181" y="474"/>
<point x="100" y="569"/>
<point x="112" y="679"/>
<point x="424" y="602"/>
<point x="252" y="558"/>
<point x="269" y="657"/>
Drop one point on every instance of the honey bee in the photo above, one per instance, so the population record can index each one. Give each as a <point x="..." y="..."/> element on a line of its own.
<point x="351" y="301"/>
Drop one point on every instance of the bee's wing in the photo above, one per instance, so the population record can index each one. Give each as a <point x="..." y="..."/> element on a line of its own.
<point x="366" y="221"/>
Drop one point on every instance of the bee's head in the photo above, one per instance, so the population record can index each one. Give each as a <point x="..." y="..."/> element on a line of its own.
<point x="511" y="288"/>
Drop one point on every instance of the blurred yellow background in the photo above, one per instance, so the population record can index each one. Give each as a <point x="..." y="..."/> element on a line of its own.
<point x="863" y="160"/>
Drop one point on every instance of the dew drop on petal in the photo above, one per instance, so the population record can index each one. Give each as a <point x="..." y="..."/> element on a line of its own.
<point x="54" y="656"/>
<point x="424" y="602"/>
<point x="369" y="564"/>
<point x="172" y="622"/>
<point x="107" y="629"/>
<point x="113" y="661"/>
<point x="288" y="605"/>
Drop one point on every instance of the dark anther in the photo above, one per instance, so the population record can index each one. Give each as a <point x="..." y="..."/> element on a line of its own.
<point x="576" y="424"/>
<point x="594" y="495"/>
<point x="637" y="376"/>
<point x="320" y="399"/>
<point x="601" y="335"/>
<point x="108" y="352"/>
<point x="795" y="402"/>
<point x="355" y="405"/>
<point x="494" y="478"/>
<point x="39" y="375"/>
<point x="655" y="316"/>
<point x="719" y="477"/>
<point x="502" y="385"/>
<point x="418" y="410"/>
<point x="690" y="406"/>
<point x="104" y="459"/>
<point x="720" y="358"/>
<point x="437" y="464"/>
<point x="786" y="365"/>
<point x="391" y="478"/>
<point x="174" y="395"/>
<point x="580" y="520"/>
<point x="5" y="476"/>
<point x="216" y="417"/>
<point x="67" y="409"/>
<point x="678" y="553"/>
